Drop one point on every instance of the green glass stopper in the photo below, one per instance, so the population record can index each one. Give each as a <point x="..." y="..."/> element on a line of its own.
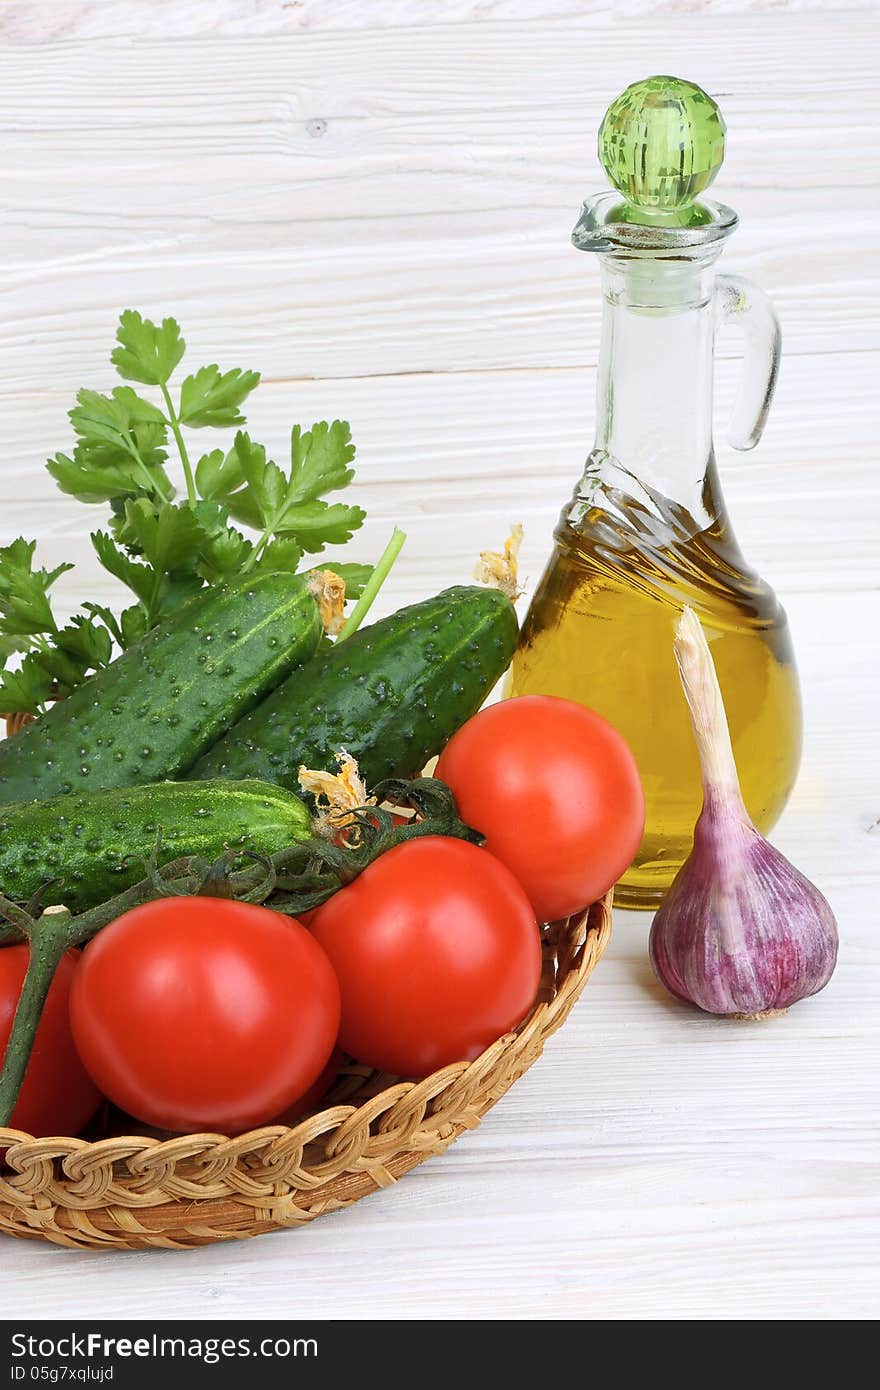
<point x="661" y="143"/>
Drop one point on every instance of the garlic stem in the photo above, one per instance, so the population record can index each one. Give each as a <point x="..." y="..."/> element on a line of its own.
<point x="703" y="694"/>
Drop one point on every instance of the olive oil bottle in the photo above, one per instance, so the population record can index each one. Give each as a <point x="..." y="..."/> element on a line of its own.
<point x="647" y="531"/>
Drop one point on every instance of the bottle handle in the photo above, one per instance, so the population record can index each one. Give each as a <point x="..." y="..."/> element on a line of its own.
<point x="736" y="298"/>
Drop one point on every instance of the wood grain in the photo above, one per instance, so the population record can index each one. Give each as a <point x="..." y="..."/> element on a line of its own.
<point x="372" y="204"/>
<point x="42" y="20"/>
<point x="422" y="224"/>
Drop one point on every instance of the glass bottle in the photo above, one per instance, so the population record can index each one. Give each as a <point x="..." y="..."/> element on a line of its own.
<point x="647" y="531"/>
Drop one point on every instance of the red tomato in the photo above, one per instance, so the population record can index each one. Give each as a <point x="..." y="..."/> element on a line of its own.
<point x="316" y="1092"/>
<point x="204" y="1014"/>
<point x="555" y="790"/>
<point x="437" y="953"/>
<point x="58" y="1096"/>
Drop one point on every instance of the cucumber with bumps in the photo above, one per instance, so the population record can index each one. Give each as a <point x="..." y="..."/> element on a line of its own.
<point x="168" y="698"/>
<point x="391" y="695"/>
<point x="96" y="844"/>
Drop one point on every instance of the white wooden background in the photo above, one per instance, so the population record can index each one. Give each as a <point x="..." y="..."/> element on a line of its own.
<point x="371" y="203"/>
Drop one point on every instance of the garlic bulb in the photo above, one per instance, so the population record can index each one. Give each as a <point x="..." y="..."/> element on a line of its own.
<point x="741" y="931"/>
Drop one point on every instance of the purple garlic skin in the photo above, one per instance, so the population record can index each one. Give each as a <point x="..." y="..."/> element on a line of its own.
<point x="741" y="931"/>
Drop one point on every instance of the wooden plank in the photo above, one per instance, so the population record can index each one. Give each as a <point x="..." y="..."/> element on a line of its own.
<point x="413" y="228"/>
<point x="482" y="298"/>
<point x="43" y="21"/>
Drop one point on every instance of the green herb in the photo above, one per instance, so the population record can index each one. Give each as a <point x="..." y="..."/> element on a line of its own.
<point x="56" y="659"/>
<point x="164" y="549"/>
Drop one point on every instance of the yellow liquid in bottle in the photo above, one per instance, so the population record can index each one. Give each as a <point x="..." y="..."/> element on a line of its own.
<point x="600" y="631"/>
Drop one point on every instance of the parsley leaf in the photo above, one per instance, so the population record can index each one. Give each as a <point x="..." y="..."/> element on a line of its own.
<point x="260" y="501"/>
<point x="120" y="449"/>
<point x="148" y="439"/>
<point x="162" y="550"/>
<point x="281" y="556"/>
<point x="212" y="398"/>
<point x="168" y="538"/>
<point x="224" y="555"/>
<point x="10" y="645"/>
<point x="141" y="579"/>
<point x="26" y="689"/>
<point x="56" y="660"/>
<point x="219" y="473"/>
<point x="110" y="418"/>
<point x="168" y="542"/>
<point x="95" y="475"/>
<point x="317" y="524"/>
<point x="147" y="352"/>
<point x="290" y="506"/>
<point x="86" y="641"/>
<point x="319" y="460"/>
<point x="25" y="610"/>
<point x="129" y="627"/>
<point x="108" y="618"/>
<point x="65" y="666"/>
<point x="133" y="624"/>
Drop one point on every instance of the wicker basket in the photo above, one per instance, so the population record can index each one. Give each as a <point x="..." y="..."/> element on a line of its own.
<point x="127" y="1192"/>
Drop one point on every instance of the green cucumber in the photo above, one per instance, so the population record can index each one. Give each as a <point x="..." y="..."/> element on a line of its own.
<point x="96" y="844"/>
<point x="391" y="695"/>
<point x="167" y="699"/>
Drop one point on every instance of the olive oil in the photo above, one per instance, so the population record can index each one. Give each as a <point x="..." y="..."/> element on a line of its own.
<point x="600" y="630"/>
<point x="646" y="532"/>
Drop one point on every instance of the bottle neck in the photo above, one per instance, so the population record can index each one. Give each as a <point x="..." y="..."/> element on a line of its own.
<point x="654" y="398"/>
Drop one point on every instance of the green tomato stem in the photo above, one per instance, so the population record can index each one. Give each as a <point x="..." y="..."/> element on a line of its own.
<point x="14" y="922"/>
<point x="16" y="925"/>
<point x="173" y="421"/>
<point x="373" y="584"/>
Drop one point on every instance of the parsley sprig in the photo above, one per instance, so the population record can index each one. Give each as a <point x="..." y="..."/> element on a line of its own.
<point x="164" y="549"/>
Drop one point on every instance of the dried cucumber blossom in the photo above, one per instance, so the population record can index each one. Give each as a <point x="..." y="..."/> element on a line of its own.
<point x="499" y="569"/>
<point x="328" y="590"/>
<point x="336" y="795"/>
